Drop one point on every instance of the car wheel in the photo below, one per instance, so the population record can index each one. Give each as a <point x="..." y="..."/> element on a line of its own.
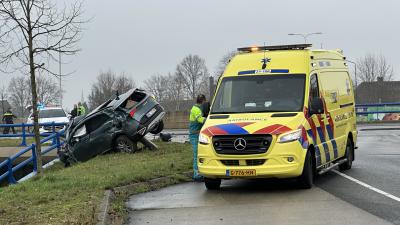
<point x="212" y="184"/>
<point x="158" y="128"/>
<point x="124" y="144"/>
<point x="349" y="156"/>
<point x="305" y="181"/>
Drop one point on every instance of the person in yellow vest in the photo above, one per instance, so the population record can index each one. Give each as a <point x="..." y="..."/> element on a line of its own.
<point x="8" y="118"/>
<point x="81" y="109"/>
<point x="196" y="121"/>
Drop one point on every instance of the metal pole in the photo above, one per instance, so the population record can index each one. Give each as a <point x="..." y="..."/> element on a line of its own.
<point x="355" y="77"/>
<point x="2" y="100"/>
<point x="211" y="83"/>
<point x="59" y="68"/>
<point x="23" y="135"/>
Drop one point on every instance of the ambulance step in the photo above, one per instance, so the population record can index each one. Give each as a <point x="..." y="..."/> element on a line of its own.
<point x="337" y="163"/>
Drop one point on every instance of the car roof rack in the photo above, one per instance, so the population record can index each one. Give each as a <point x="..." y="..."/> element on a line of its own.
<point x="275" y="47"/>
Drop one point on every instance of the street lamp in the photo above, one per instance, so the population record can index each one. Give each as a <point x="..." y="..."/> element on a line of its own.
<point x="305" y="36"/>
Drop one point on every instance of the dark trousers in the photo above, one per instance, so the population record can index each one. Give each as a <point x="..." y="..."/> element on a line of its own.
<point x="6" y="130"/>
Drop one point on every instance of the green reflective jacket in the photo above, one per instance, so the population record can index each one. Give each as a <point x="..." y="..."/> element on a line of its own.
<point x="81" y="110"/>
<point x="196" y="119"/>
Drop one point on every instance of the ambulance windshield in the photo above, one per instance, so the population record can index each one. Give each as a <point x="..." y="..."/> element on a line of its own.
<point x="260" y="93"/>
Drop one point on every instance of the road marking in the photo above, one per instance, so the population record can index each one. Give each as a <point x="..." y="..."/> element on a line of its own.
<point x="367" y="186"/>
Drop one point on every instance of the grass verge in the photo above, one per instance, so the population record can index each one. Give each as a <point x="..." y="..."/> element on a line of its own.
<point x="72" y="195"/>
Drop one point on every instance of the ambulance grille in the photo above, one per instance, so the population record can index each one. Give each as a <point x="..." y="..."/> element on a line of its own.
<point x="249" y="162"/>
<point x="230" y="162"/>
<point x="255" y="162"/>
<point x="255" y="144"/>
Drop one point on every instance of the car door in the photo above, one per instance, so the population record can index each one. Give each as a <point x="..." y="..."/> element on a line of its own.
<point x="101" y="132"/>
<point x="80" y="144"/>
<point x="320" y="121"/>
<point x="333" y="84"/>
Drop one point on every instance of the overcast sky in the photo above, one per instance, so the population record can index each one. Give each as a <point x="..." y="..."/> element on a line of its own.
<point x="147" y="37"/>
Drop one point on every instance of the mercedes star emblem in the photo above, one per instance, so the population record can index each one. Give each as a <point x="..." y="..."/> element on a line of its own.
<point x="239" y="144"/>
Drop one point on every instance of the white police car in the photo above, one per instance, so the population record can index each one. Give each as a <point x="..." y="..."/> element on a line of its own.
<point x="49" y="115"/>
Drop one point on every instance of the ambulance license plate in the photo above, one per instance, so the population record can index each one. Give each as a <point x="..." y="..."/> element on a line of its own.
<point x="241" y="173"/>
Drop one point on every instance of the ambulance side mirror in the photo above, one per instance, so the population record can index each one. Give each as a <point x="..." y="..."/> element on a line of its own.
<point x="316" y="106"/>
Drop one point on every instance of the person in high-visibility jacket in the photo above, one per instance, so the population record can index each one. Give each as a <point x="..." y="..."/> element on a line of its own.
<point x="81" y="109"/>
<point x="196" y="121"/>
<point x="8" y="118"/>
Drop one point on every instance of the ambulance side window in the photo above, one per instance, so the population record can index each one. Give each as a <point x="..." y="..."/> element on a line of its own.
<point x="314" y="90"/>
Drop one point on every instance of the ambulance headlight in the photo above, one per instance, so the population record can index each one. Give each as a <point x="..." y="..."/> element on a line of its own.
<point x="203" y="139"/>
<point x="290" y="136"/>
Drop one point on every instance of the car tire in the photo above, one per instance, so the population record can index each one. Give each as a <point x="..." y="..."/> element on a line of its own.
<point x="124" y="144"/>
<point x="306" y="179"/>
<point x="158" y="128"/>
<point x="212" y="184"/>
<point x="349" y="156"/>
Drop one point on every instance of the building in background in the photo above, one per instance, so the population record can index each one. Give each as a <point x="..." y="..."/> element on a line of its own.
<point x="379" y="91"/>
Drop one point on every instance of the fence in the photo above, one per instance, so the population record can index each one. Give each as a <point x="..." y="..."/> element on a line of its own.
<point x="378" y="111"/>
<point x="51" y="134"/>
<point x="25" y="133"/>
<point x="177" y="120"/>
<point x="9" y="162"/>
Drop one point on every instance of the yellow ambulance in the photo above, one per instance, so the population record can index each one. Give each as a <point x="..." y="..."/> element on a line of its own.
<point x="279" y="111"/>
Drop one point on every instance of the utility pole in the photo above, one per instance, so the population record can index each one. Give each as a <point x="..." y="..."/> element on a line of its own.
<point x="59" y="70"/>
<point x="211" y="83"/>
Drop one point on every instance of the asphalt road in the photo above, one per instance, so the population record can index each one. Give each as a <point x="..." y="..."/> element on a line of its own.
<point x="367" y="194"/>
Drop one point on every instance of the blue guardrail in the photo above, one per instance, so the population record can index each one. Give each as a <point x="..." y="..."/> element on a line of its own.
<point x="8" y="163"/>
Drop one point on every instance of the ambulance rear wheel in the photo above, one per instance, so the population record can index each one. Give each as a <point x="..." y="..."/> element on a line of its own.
<point x="212" y="184"/>
<point x="349" y="156"/>
<point x="305" y="181"/>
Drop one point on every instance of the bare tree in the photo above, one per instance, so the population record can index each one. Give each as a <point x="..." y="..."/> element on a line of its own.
<point x="384" y="69"/>
<point x="192" y="71"/>
<point x="19" y="91"/>
<point x="175" y="90"/>
<point x="223" y="62"/>
<point x="372" y="66"/>
<point x="31" y="33"/>
<point x="158" y="86"/>
<point x="106" y="85"/>
<point x="48" y="91"/>
<point x="19" y="94"/>
<point x="124" y="83"/>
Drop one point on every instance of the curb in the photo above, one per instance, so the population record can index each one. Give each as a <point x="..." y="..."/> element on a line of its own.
<point x="103" y="217"/>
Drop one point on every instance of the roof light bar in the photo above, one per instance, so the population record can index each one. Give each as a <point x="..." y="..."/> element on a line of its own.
<point x="275" y="47"/>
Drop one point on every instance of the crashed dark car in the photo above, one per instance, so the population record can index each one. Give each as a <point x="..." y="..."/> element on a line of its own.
<point x="118" y="124"/>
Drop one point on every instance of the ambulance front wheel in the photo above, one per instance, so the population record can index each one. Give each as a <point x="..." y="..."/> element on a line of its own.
<point x="305" y="181"/>
<point x="349" y="156"/>
<point x="212" y="184"/>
